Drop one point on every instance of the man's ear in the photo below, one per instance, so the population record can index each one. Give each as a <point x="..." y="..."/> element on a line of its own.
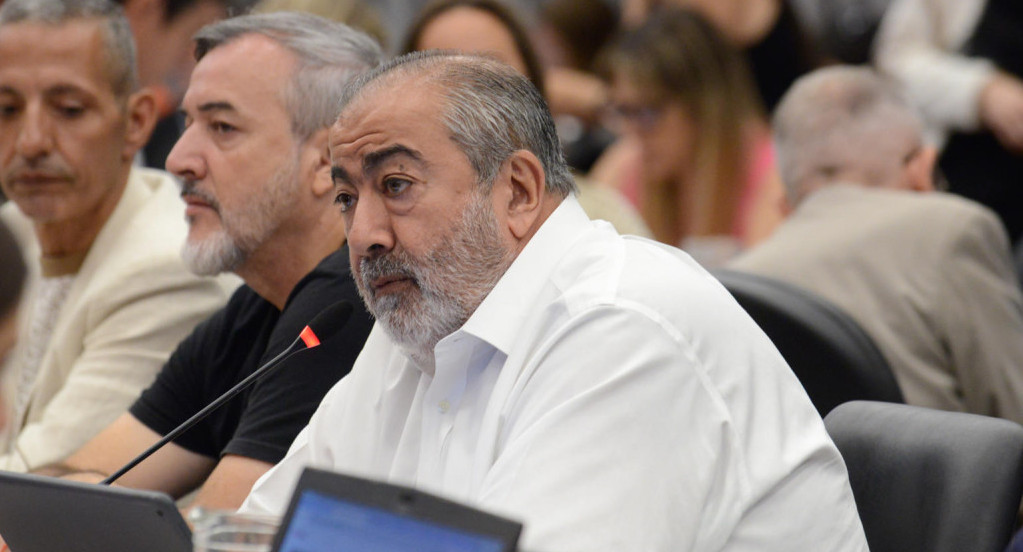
<point x="521" y="198"/>
<point x="919" y="172"/>
<point x="141" y="119"/>
<point x="315" y="161"/>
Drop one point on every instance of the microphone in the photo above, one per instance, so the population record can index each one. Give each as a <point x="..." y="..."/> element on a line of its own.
<point x="324" y="326"/>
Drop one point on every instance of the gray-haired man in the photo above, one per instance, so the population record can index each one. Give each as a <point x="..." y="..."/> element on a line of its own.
<point x="259" y="204"/>
<point x="110" y="297"/>
<point x="604" y="389"/>
<point x="927" y="274"/>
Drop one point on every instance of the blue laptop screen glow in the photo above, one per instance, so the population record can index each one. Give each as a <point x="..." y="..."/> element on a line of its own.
<point x="321" y="523"/>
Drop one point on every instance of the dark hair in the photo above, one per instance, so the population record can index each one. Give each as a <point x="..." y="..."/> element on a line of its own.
<point x="584" y="27"/>
<point x="174" y="8"/>
<point x="12" y="277"/>
<point x="504" y="14"/>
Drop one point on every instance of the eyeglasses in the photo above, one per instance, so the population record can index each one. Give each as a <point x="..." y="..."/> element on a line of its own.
<point x="643" y="116"/>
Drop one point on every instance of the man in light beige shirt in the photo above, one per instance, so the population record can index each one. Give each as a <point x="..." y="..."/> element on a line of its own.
<point x="109" y="296"/>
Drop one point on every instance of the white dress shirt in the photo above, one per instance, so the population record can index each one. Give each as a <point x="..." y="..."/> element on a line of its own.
<point x="610" y="394"/>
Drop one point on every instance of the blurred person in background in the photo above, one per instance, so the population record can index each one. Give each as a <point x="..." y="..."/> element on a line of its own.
<point x="927" y="274"/>
<point x="491" y="28"/>
<point x="163" y="31"/>
<point x="962" y="63"/>
<point x="569" y="37"/>
<point x="354" y="13"/>
<point x="487" y="27"/>
<point x="767" y="32"/>
<point x="696" y="152"/>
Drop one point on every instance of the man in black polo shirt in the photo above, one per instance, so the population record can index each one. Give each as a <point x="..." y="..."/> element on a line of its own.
<point x="256" y="175"/>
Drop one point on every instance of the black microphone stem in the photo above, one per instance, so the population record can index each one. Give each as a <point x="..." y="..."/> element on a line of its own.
<point x="240" y="386"/>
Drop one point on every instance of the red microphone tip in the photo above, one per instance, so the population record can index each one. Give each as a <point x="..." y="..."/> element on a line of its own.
<point x="309" y="337"/>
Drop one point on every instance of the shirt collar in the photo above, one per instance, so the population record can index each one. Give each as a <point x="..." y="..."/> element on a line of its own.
<point x="499" y="318"/>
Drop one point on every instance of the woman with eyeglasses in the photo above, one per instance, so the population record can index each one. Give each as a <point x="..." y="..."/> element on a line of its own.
<point x="695" y="154"/>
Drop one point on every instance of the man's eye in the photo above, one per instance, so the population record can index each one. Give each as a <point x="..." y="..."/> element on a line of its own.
<point x="395" y="186"/>
<point x="70" y="111"/>
<point x="221" y="128"/>
<point x="8" y="110"/>
<point x="344" y="200"/>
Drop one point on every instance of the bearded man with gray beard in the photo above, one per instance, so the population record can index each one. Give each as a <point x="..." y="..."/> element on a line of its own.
<point x="603" y="389"/>
<point x="259" y="203"/>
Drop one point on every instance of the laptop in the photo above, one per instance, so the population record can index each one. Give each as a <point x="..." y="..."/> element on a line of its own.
<point x="44" y="514"/>
<point x="328" y="511"/>
<point x="332" y="511"/>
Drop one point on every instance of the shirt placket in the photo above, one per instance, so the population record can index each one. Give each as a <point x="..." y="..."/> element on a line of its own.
<point x="440" y="406"/>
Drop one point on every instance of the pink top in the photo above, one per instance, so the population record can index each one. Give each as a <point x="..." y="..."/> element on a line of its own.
<point x="758" y="175"/>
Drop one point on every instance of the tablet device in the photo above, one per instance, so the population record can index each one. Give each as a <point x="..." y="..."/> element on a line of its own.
<point x="331" y="511"/>
<point x="45" y="514"/>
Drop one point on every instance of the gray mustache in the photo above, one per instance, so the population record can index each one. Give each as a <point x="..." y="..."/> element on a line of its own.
<point x="387" y="265"/>
<point x="189" y="188"/>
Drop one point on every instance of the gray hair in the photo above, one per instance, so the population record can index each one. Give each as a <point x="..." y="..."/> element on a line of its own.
<point x="117" y="38"/>
<point x="491" y="112"/>
<point x="841" y="118"/>
<point x="328" y="55"/>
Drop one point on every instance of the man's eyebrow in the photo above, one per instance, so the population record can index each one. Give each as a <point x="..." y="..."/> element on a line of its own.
<point x="216" y="106"/>
<point x="62" y="89"/>
<point x="373" y="160"/>
<point x="339" y="174"/>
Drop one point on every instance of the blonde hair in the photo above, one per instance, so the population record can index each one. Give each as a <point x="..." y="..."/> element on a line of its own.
<point x="678" y="56"/>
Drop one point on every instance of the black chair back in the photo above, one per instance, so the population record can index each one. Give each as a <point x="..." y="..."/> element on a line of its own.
<point x="834" y="359"/>
<point x="928" y="480"/>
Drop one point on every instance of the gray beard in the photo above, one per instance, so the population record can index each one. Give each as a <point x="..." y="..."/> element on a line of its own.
<point x="450" y="282"/>
<point x="214" y="255"/>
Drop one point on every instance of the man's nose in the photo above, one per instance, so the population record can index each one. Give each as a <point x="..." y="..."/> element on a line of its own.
<point x="184" y="159"/>
<point x="369" y="229"/>
<point x="35" y="137"/>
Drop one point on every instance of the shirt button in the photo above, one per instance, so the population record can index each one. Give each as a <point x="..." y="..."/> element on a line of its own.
<point x="444" y="406"/>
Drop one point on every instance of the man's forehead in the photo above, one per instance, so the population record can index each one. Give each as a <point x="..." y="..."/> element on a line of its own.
<point x="67" y="56"/>
<point x="253" y="59"/>
<point x="385" y="118"/>
<point x="231" y="75"/>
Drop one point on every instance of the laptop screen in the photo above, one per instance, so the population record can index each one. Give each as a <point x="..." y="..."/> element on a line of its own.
<point x="323" y="522"/>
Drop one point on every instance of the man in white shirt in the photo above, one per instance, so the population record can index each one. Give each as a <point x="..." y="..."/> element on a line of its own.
<point x="603" y="389"/>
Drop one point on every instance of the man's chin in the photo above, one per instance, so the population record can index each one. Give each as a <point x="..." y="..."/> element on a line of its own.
<point x="211" y="256"/>
<point x="386" y="306"/>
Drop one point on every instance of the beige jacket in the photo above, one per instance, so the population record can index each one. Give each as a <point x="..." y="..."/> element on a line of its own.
<point x="131" y="302"/>
<point x="928" y="276"/>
